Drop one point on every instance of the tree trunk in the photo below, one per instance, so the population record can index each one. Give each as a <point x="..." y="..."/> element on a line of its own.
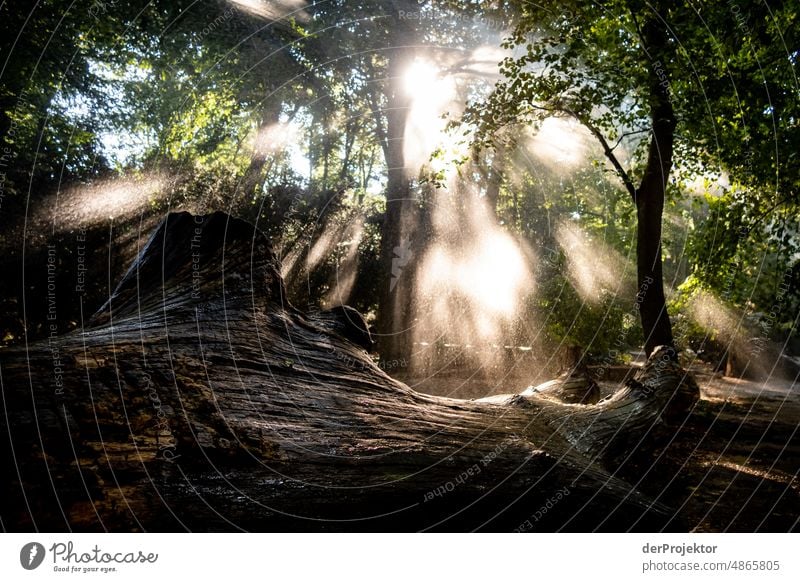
<point x="649" y="196"/>
<point x="393" y="302"/>
<point x="198" y="398"/>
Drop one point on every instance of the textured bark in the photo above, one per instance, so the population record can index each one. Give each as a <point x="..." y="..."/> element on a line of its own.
<point x="394" y="298"/>
<point x="649" y="196"/>
<point x="198" y="398"/>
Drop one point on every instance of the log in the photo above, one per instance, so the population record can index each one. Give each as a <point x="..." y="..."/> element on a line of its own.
<point x="198" y="398"/>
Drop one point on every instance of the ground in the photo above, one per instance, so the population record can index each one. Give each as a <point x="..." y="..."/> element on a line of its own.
<point x="742" y="457"/>
<point x="732" y="464"/>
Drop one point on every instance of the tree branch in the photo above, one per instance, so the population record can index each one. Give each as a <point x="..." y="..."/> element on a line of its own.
<point x="607" y="149"/>
<point x="609" y="153"/>
<point x="629" y="133"/>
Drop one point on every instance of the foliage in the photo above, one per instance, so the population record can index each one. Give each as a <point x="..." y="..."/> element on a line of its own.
<point x="284" y="119"/>
<point x="732" y="82"/>
<point x="605" y="330"/>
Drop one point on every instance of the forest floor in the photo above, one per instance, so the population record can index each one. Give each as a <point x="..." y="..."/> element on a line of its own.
<point x="732" y="464"/>
<point x="736" y="459"/>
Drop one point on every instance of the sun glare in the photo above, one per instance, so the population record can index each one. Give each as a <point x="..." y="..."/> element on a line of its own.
<point x="273" y="9"/>
<point x="347" y="266"/>
<point x="493" y="275"/>
<point x="473" y="281"/>
<point x="420" y="77"/>
<point x="712" y="314"/>
<point x="102" y="200"/>
<point x="276" y="137"/>
<point x="593" y="267"/>
<point x="559" y="141"/>
<point x="280" y="138"/>
<point x="432" y="96"/>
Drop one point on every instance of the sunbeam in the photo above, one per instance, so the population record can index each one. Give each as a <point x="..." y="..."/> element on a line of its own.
<point x="593" y="267"/>
<point x="432" y="96"/>
<point x="273" y="9"/>
<point x="560" y="141"/>
<point x="475" y="277"/>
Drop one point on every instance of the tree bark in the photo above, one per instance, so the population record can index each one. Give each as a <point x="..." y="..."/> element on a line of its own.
<point x="649" y="196"/>
<point x="198" y="398"/>
<point x="393" y="302"/>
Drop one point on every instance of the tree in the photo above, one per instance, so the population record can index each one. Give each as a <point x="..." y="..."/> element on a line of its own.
<point x="745" y="241"/>
<point x="610" y="69"/>
<point x="375" y="43"/>
<point x="669" y="93"/>
<point x="44" y="69"/>
<point x="198" y="398"/>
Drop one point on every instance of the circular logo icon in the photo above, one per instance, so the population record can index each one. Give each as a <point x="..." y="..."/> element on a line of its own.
<point x="31" y="555"/>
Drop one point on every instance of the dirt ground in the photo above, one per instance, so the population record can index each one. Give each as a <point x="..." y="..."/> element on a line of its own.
<point x="732" y="464"/>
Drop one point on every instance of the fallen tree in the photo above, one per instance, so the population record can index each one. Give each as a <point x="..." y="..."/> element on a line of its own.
<point x="198" y="398"/>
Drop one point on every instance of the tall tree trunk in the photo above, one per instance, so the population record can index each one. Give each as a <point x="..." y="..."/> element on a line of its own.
<point x="649" y="196"/>
<point x="393" y="302"/>
<point x="345" y="175"/>
<point x="198" y="398"/>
